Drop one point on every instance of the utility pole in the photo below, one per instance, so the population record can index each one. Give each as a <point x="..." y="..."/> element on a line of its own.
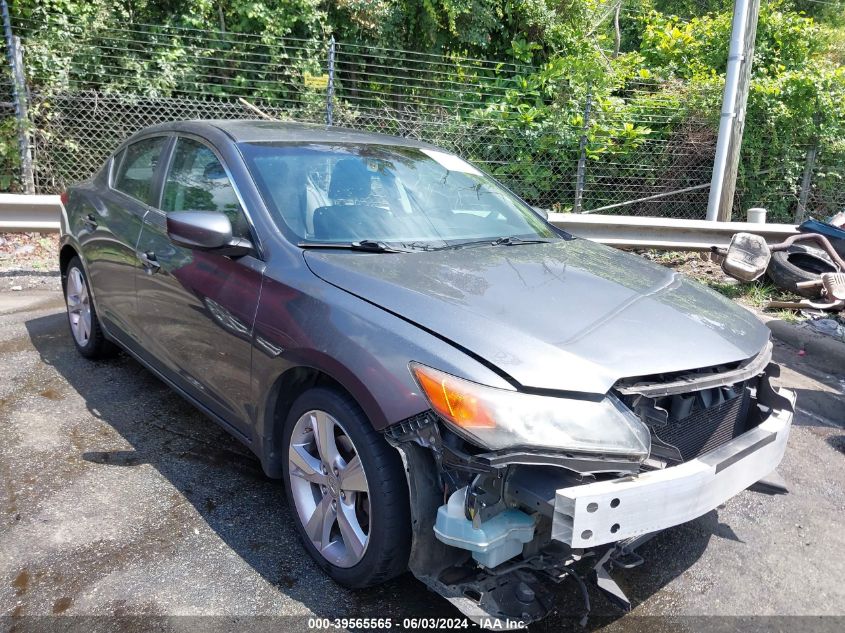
<point x="15" y="59"/>
<point x="732" y="122"/>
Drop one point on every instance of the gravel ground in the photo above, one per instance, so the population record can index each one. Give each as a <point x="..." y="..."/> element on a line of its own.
<point x="118" y="498"/>
<point x="29" y="261"/>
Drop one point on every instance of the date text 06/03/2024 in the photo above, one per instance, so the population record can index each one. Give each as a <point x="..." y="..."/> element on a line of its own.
<point x="411" y="624"/>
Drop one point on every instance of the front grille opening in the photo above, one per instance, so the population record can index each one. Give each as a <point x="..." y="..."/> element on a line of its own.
<point x="702" y="426"/>
<point x="685" y="426"/>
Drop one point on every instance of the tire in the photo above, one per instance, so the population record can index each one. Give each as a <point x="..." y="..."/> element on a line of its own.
<point x="85" y="330"/>
<point x="382" y="514"/>
<point x="796" y="264"/>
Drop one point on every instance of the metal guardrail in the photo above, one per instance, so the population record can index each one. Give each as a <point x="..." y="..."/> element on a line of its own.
<point x="663" y="233"/>
<point x="29" y="213"/>
<point x="22" y="213"/>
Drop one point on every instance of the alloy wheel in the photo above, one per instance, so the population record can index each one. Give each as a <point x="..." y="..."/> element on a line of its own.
<point x="330" y="489"/>
<point x="78" y="307"/>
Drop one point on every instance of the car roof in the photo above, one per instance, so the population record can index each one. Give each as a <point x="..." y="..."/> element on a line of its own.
<point x="253" y="131"/>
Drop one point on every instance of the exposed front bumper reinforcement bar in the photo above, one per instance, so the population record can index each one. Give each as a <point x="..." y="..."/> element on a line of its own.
<point x="594" y="514"/>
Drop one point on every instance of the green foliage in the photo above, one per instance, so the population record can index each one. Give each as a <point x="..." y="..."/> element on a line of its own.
<point x="797" y="95"/>
<point x="267" y="18"/>
<point x="495" y="29"/>
<point x="697" y="48"/>
<point x="10" y="159"/>
<point x="197" y="47"/>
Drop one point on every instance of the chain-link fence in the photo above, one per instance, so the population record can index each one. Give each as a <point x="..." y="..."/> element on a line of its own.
<point x="638" y="147"/>
<point x="808" y="180"/>
<point x="639" y="150"/>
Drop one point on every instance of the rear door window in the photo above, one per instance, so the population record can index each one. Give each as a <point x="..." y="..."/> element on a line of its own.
<point x="135" y="174"/>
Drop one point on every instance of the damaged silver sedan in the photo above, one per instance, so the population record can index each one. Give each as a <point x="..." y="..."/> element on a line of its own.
<point x="588" y="480"/>
<point x="444" y="381"/>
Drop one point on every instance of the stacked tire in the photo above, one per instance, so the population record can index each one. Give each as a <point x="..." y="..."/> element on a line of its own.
<point x="799" y="263"/>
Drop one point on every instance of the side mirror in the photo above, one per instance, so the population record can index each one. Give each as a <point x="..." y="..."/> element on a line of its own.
<point x="205" y="231"/>
<point x="544" y="213"/>
<point x="747" y="257"/>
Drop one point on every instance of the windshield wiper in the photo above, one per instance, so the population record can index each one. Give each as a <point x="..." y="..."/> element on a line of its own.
<point x="511" y="240"/>
<point x="419" y="246"/>
<point x="368" y="246"/>
<point x="514" y="239"/>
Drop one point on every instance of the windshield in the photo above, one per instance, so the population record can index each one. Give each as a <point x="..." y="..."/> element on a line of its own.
<point x="414" y="197"/>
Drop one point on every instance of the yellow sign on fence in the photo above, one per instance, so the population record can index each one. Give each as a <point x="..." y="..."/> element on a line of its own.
<point x="317" y="82"/>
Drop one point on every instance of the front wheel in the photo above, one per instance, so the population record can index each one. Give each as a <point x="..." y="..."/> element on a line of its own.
<point x="82" y="317"/>
<point x="347" y="490"/>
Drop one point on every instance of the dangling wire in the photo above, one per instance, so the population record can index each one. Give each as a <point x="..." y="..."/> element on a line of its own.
<point x="583" y="586"/>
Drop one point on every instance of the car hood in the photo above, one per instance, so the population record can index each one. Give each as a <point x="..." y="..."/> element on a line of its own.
<point x="567" y="315"/>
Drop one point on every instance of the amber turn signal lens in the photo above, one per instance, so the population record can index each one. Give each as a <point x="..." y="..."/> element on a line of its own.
<point x="453" y="399"/>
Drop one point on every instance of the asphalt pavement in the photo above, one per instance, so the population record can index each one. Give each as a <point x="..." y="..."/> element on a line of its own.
<point x="120" y="499"/>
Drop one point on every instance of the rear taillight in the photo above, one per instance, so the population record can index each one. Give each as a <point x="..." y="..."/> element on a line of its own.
<point x="63" y="197"/>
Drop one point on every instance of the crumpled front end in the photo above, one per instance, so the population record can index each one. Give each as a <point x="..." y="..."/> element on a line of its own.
<point x="491" y="529"/>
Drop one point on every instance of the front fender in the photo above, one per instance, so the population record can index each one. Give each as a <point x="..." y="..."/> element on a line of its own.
<point x="361" y="347"/>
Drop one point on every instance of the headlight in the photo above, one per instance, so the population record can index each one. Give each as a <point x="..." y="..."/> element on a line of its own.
<point x="498" y="418"/>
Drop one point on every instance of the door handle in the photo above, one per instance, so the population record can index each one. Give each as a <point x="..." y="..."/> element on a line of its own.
<point x="148" y="259"/>
<point x="90" y="221"/>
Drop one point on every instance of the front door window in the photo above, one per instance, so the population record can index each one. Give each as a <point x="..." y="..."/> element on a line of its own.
<point x="198" y="182"/>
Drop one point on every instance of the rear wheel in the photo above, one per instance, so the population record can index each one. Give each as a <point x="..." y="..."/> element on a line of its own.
<point x="347" y="490"/>
<point x="82" y="317"/>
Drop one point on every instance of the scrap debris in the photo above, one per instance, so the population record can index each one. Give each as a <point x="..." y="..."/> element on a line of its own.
<point x="810" y="264"/>
<point x="815" y="272"/>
